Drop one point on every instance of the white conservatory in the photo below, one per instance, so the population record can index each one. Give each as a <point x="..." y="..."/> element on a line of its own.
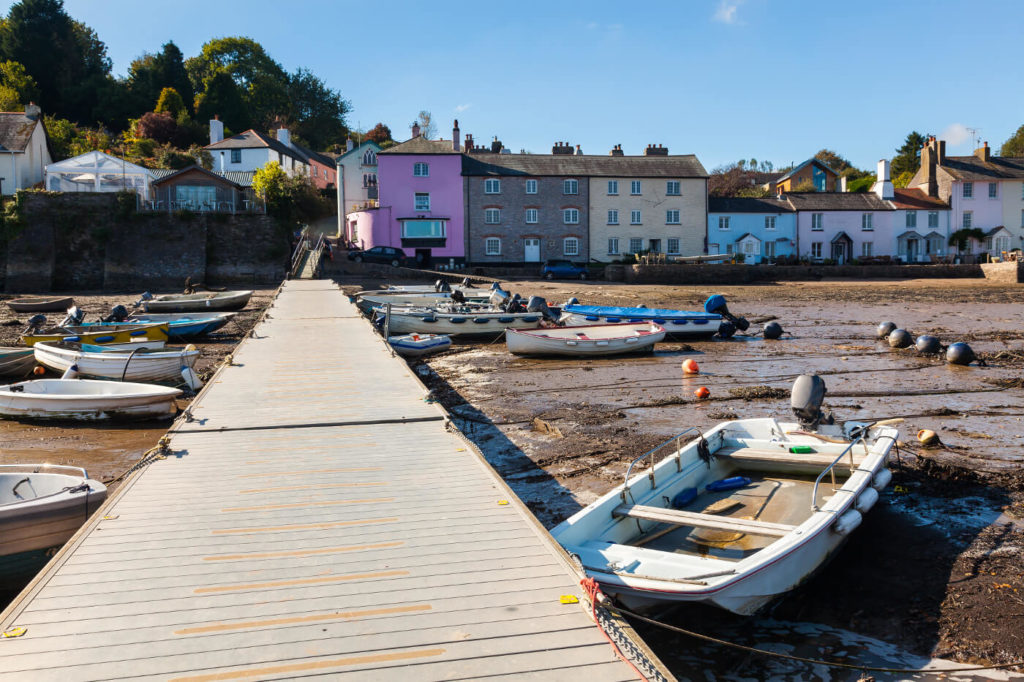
<point x="97" y="172"/>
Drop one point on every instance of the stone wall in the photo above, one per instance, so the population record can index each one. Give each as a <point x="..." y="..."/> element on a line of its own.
<point x="1004" y="273"/>
<point x="86" y="241"/>
<point x="741" y="274"/>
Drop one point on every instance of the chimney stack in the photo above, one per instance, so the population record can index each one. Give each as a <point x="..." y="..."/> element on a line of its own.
<point x="942" y="152"/>
<point x="415" y="129"/>
<point x="284" y="136"/>
<point x="216" y="129"/>
<point x="562" y="148"/>
<point x="616" y="151"/>
<point x="496" y="145"/>
<point x="928" y="157"/>
<point x="579" y="152"/>
<point x="32" y="112"/>
<point x="456" y="146"/>
<point x="842" y="184"/>
<point x="349" y="144"/>
<point x="883" y="185"/>
<point x="469" y="142"/>
<point x="656" y="151"/>
<point x="984" y="153"/>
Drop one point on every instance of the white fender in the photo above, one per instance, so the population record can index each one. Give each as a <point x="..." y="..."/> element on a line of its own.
<point x="70" y="373"/>
<point x="846" y="523"/>
<point x="881" y="480"/>
<point x="193" y="381"/>
<point x="866" y="500"/>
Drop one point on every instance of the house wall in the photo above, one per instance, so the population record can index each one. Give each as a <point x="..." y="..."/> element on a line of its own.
<point x="368" y="228"/>
<point x="899" y="226"/>
<point x="512" y="201"/>
<point x="741" y="223"/>
<point x="323" y="176"/>
<point x="986" y="213"/>
<point x="255" y="158"/>
<point x="882" y="237"/>
<point x="653" y="203"/>
<point x="398" y="187"/>
<point x="1013" y="209"/>
<point x="356" y="194"/>
<point x="806" y="174"/>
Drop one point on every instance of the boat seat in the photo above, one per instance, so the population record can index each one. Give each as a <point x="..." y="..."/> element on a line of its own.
<point x="685" y="518"/>
<point x="771" y="459"/>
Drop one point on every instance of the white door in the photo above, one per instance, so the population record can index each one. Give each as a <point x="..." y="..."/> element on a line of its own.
<point x="713" y="249"/>
<point x="532" y="250"/>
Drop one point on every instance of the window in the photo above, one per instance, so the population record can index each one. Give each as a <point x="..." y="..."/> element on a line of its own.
<point x="492" y="246"/>
<point x="993" y="190"/>
<point x="420" y="170"/>
<point x="369" y="158"/>
<point x="571" y="246"/>
<point x="968" y="219"/>
<point x="422" y="201"/>
<point x="423" y="229"/>
<point x="769" y="223"/>
<point x="672" y="217"/>
<point x="866" y="249"/>
<point x="570" y="187"/>
<point x="751" y="248"/>
<point x="236" y="156"/>
<point x="613" y="187"/>
<point x="531" y="186"/>
<point x="634" y="217"/>
<point x="531" y="215"/>
<point x="492" y="216"/>
<point x="723" y="222"/>
<point x="968" y="190"/>
<point x="933" y="218"/>
<point x="867" y="221"/>
<point x="570" y="216"/>
<point x="613" y="217"/>
<point x="369" y="179"/>
<point x="636" y="245"/>
<point x="769" y="249"/>
<point x="911" y="218"/>
<point x="672" y="188"/>
<point x="815" y="249"/>
<point x="492" y="186"/>
<point x="613" y="246"/>
<point x="634" y="187"/>
<point x="673" y="246"/>
<point x="816" y="221"/>
<point x="728" y="248"/>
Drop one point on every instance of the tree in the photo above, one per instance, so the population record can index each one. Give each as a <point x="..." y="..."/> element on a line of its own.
<point x="292" y="199"/>
<point x="149" y="74"/>
<point x="427" y="127"/>
<point x="832" y="160"/>
<point x="1015" y="145"/>
<point x="223" y="97"/>
<point x="170" y="103"/>
<point x="269" y="183"/>
<point x="379" y="133"/>
<point x="908" y="157"/>
<point x="318" y="111"/>
<point x="160" y="127"/>
<point x="260" y="81"/>
<point x="806" y="186"/>
<point x="17" y="88"/>
<point x="902" y="180"/>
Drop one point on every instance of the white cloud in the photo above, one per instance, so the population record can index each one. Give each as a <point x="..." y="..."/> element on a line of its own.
<point x="956" y="134"/>
<point x="727" y="11"/>
<point x="462" y="107"/>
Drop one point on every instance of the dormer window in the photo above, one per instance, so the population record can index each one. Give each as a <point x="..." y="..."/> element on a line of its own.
<point x="369" y="158"/>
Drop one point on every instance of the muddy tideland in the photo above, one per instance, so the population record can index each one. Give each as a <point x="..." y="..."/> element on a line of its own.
<point x="936" y="570"/>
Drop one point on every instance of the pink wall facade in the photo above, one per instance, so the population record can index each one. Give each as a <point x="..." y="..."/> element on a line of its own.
<point x="986" y="212"/>
<point x="881" y="237"/>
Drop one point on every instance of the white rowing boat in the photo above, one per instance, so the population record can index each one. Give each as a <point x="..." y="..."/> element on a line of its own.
<point x="418" y="345"/>
<point x="206" y="301"/>
<point x="591" y="340"/>
<point x="122" y="365"/>
<point x="41" y="506"/>
<point x="86" y="400"/>
<point x="470" y="323"/>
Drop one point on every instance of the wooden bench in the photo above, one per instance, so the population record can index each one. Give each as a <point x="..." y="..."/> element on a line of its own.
<point x="676" y="517"/>
<point x="765" y="459"/>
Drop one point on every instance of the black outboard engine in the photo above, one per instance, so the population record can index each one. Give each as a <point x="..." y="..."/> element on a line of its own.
<point x="726" y="329"/>
<point x="537" y="304"/>
<point x="442" y="286"/>
<point x="457" y="297"/>
<point x="806" y="398"/>
<point x="75" y="316"/>
<point x="117" y="314"/>
<point x="514" y="304"/>
<point x="494" y="286"/>
<point x="35" y="322"/>
<point x="146" y="296"/>
<point x="716" y="304"/>
<point x="467" y="284"/>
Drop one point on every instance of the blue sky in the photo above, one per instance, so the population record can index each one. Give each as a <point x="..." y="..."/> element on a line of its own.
<point x="724" y="79"/>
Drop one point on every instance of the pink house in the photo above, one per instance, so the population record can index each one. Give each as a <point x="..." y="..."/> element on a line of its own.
<point x="420" y="201"/>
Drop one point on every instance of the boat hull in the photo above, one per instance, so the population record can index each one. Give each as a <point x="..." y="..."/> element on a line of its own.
<point x="586" y="341"/>
<point x="16" y="362"/>
<point x="119" y="334"/>
<point x="469" y="324"/>
<point x="427" y="344"/>
<point x="100" y="400"/>
<point x="179" y="325"/>
<point x="677" y="323"/>
<point x="40" y="305"/>
<point x="118" y="365"/>
<point x="186" y="303"/>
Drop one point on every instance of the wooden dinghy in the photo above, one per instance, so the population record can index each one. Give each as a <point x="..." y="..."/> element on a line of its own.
<point x="590" y="340"/>
<point x="86" y="400"/>
<point x="735" y="518"/>
<point x="678" y="323"/>
<point x="206" y="301"/>
<point x="470" y="323"/>
<point x="418" y="345"/>
<point x="40" y="304"/>
<point x="122" y="365"/>
<point x="16" y="362"/>
<point x="179" y="325"/>
<point x="41" y="506"/>
<point x="100" y="335"/>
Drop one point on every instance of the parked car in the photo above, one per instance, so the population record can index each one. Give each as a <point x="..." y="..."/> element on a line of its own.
<point x="379" y="254"/>
<point x="563" y="269"/>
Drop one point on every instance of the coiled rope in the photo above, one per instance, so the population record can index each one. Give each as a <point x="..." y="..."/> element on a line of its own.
<point x="155" y="453"/>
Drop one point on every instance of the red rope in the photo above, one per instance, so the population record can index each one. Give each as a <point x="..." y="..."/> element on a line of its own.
<point x="592" y="590"/>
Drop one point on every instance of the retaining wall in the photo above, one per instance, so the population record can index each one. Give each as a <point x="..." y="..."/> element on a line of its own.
<point x="1004" y="273"/>
<point x="742" y="274"/>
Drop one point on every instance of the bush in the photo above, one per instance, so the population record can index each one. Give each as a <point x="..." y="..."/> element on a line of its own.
<point x="162" y="128"/>
<point x="142" y="147"/>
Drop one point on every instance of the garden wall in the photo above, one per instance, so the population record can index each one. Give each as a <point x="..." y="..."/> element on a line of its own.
<point x="1004" y="273"/>
<point x="742" y="274"/>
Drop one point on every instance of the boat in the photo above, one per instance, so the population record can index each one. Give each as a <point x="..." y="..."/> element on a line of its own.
<point x="589" y="340"/>
<point x="679" y="323"/>
<point x="185" y="303"/>
<point x="41" y="507"/>
<point x="45" y="304"/>
<point x="123" y="365"/>
<point x="86" y="400"/>
<point x="179" y="325"/>
<point x="736" y="517"/>
<point x="430" y="298"/>
<point x="418" y="345"/>
<point x="465" y="323"/>
<point x="106" y="334"/>
<point x="16" y="362"/>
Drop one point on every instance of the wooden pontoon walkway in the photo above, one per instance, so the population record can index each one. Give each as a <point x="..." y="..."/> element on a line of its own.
<point x="315" y="519"/>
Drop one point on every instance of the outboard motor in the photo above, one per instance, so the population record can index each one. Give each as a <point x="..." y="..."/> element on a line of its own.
<point x="514" y="304"/>
<point x="806" y="398"/>
<point x="75" y="316"/>
<point x="117" y="314"/>
<point x="537" y="304"/>
<point x="726" y="329"/>
<point x="498" y="296"/>
<point x="494" y="285"/>
<point x="467" y="284"/>
<point x="716" y="305"/>
<point x="885" y="329"/>
<point x="573" y="301"/>
<point x="442" y="286"/>
<point x="35" y="322"/>
<point x="146" y="296"/>
<point x="457" y="297"/>
<point x="928" y="344"/>
<point x="773" y="330"/>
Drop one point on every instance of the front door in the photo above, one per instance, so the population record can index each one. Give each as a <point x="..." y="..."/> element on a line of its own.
<point x="839" y="252"/>
<point x="911" y="250"/>
<point x="655" y="246"/>
<point x="423" y="258"/>
<point x="532" y="250"/>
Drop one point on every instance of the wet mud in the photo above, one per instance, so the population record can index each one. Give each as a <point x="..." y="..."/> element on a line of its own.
<point x="936" y="570"/>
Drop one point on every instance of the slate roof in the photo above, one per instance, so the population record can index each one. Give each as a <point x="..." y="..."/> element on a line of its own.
<point x="837" y="201"/>
<point x="252" y="139"/>
<point x="972" y="169"/>
<point x="805" y="163"/>
<point x="679" y="166"/>
<point x="421" y="145"/>
<point x="15" y="131"/>
<point x="242" y="178"/>
<point x="748" y="205"/>
<point x="914" y="198"/>
<point x="319" y="157"/>
<point x="200" y="169"/>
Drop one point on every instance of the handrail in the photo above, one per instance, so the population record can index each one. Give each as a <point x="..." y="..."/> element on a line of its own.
<point x="650" y="474"/>
<point x="299" y="249"/>
<point x="849" y="448"/>
<point x="317" y="254"/>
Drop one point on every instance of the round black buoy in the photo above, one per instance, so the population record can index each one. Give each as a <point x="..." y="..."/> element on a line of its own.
<point x="900" y="338"/>
<point x="960" y="353"/>
<point x="772" y="330"/>
<point x="885" y="329"/>
<point x="726" y="329"/>
<point x="928" y="344"/>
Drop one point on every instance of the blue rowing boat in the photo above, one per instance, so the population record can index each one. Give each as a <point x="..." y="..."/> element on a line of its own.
<point x="179" y="325"/>
<point x="676" y="322"/>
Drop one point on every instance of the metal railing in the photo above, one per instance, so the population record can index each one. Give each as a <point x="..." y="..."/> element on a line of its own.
<point x="831" y="468"/>
<point x="300" y="248"/>
<point x="317" y="254"/>
<point x="675" y="440"/>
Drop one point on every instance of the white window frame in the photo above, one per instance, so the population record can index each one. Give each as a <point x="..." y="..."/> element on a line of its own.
<point x="911" y="219"/>
<point x="613" y="216"/>
<point x="673" y="188"/>
<point x="867" y="249"/>
<point x="769" y="249"/>
<point x="769" y="222"/>
<point x="531" y="186"/>
<point x="816" y="249"/>
<point x="993" y="190"/>
<point x="421" y="170"/>
<point x="817" y="221"/>
<point x="613" y="188"/>
<point x="935" y="215"/>
<point x="532" y="216"/>
<point x="613" y="246"/>
<point x="723" y="223"/>
<point x="492" y="216"/>
<point x="571" y="241"/>
<point x="492" y="246"/>
<point x="635" y="188"/>
<point x="492" y="186"/>
<point x="236" y="156"/>
<point x="571" y="216"/>
<point x="636" y="217"/>
<point x="968" y="190"/>
<point x="570" y="187"/>
<point x="867" y="222"/>
<point x="968" y="219"/>
<point x="672" y="216"/>
<point x="417" y="197"/>
<point x="670" y="249"/>
<point x="636" y="242"/>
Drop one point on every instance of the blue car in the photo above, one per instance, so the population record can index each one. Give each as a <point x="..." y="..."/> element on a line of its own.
<point x="563" y="269"/>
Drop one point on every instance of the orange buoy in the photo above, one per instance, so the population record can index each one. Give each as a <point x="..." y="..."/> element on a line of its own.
<point x="702" y="393"/>
<point x="39" y="371"/>
<point x="690" y="366"/>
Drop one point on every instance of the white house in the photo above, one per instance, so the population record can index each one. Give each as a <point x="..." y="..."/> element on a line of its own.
<point x="24" y="142"/>
<point x="97" y="172"/>
<point x="358" y="170"/>
<point x="252" y="150"/>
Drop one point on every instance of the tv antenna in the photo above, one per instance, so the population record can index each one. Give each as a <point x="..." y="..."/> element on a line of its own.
<point x="975" y="137"/>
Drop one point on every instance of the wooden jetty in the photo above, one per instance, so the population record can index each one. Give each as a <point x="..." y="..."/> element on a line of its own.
<point x="313" y="517"/>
